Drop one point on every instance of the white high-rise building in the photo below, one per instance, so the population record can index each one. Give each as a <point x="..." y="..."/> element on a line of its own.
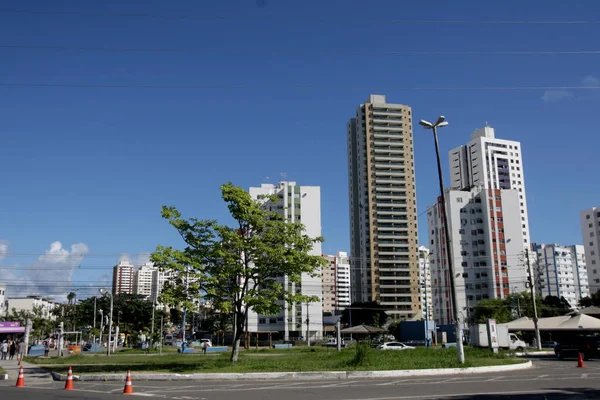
<point x="487" y="244"/>
<point x="158" y="282"/>
<point x="561" y="271"/>
<point x="492" y="164"/>
<point x="590" y="230"/>
<point x="123" y="275"/>
<point x="336" y="283"/>
<point x="383" y="207"/>
<point x="425" y="293"/>
<point x="299" y="204"/>
<point x="2" y="300"/>
<point x="143" y="280"/>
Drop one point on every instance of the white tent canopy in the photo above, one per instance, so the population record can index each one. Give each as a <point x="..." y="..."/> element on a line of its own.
<point x="562" y="323"/>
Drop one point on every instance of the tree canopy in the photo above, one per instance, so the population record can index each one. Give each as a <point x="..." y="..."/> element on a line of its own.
<point x="518" y="305"/>
<point x="238" y="267"/>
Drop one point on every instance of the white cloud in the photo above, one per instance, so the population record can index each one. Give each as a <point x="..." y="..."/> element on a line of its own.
<point x="3" y="249"/>
<point x="552" y="96"/>
<point x="51" y="274"/>
<point x="136" y="260"/>
<point x="590" y="81"/>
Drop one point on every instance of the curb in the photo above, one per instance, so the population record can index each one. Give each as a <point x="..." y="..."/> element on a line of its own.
<point x="4" y="377"/>
<point x="534" y="353"/>
<point x="297" y="375"/>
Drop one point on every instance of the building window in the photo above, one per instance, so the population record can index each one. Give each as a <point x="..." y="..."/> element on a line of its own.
<point x="587" y="216"/>
<point x="459" y="200"/>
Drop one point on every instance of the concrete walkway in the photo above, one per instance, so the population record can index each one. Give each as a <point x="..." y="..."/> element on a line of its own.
<point x="32" y="372"/>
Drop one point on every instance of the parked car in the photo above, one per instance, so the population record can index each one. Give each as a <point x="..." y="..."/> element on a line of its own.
<point x="589" y="346"/>
<point x="332" y="342"/>
<point x="94" y="348"/>
<point x="549" y="345"/>
<point x="208" y="341"/>
<point x="395" y="346"/>
<point x="170" y="340"/>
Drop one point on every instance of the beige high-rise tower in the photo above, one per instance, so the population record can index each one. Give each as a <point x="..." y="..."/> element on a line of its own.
<point x="383" y="207"/>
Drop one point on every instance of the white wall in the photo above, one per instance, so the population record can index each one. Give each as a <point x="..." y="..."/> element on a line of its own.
<point x="590" y="231"/>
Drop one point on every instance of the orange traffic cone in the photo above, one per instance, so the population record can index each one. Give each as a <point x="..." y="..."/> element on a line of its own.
<point x="21" y="380"/>
<point x="69" y="383"/>
<point x="128" y="389"/>
<point x="580" y="361"/>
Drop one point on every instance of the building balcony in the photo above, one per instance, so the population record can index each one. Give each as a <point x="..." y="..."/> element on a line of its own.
<point x="380" y="157"/>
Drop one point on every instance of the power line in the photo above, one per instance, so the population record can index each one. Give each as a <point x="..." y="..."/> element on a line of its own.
<point x="298" y="86"/>
<point x="350" y="20"/>
<point x="292" y="51"/>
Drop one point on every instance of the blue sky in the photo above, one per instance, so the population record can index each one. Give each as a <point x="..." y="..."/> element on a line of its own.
<point x="92" y="166"/>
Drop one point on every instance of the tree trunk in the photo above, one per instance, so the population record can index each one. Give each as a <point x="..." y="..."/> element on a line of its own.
<point x="238" y="330"/>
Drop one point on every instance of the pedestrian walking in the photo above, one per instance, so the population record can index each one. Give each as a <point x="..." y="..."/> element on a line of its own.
<point x="12" y="350"/>
<point x="204" y="347"/>
<point x="4" y="349"/>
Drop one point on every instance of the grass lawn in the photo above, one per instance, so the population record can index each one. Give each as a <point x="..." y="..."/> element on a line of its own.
<point x="298" y="359"/>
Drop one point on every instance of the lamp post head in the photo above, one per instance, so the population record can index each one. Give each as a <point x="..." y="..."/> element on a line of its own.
<point x="441" y="121"/>
<point x="105" y="292"/>
<point x="425" y="124"/>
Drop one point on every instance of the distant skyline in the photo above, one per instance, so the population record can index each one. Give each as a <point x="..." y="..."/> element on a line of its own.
<point x="266" y="90"/>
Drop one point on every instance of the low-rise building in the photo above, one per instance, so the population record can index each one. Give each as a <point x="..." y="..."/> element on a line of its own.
<point x="30" y="303"/>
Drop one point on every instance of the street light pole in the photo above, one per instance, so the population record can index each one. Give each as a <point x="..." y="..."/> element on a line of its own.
<point x="459" y="334"/>
<point x="110" y="320"/>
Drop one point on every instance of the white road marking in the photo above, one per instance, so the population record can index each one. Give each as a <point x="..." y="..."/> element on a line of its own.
<point x="444" y="396"/>
<point x="583" y="376"/>
<point x="494" y="379"/>
<point x="335" y="384"/>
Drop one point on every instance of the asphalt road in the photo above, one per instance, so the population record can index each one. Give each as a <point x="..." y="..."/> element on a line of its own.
<point x="549" y="379"/>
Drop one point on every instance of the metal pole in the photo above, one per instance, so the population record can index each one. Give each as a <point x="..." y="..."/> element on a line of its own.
<point x="535" y="314"/>
<point x="339" y="335"/>
<point x="307" y="326"/>
<point x="184" y="308"/>
<point x="459" y="334"/>
<point x="110" y="320"/>
<point x="153" y="308"/>
<point x="161" y="334"/>
<point x="426" y="304"/>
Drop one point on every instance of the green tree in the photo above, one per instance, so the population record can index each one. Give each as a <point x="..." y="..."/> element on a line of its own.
<point x="369" y="313"/>
<point x="239" y="267"/>
<point x="588" y="301"/>
<point x="498" y="309"/>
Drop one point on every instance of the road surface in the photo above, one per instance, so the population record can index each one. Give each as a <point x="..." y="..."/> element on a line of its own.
<point x="549" y="379"/>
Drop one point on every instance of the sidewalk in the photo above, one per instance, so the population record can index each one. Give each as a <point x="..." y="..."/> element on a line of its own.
<point x="31" y="371"/>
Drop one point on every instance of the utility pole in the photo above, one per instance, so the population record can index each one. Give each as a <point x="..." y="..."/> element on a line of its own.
<point x="61" y="339"/>
<point x="307" y="326"/>
<point x="153" y="308"/>
<point x="535" y="314"/>
<point x="161" y="334"/>
<point x="183" y="326"/>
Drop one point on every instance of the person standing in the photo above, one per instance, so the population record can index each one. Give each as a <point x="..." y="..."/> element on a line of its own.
<point x="4" y="349"/>
<point x="12" y="350"/>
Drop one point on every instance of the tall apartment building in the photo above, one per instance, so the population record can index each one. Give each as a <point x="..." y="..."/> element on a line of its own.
<point x="336" y="283"/>
<point x="123" y="275"/>
<point x="383" y="207"/>
<point x="300" y="204"/>
<point x="561" y="271"/>
<point x="590" y="230"/>
<point x="425" y="290"/>
<point x="158" y="281"/>
<point x="486" y="249"/>
<point x="143" y="280"/>
<point x="492" y="164"/>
